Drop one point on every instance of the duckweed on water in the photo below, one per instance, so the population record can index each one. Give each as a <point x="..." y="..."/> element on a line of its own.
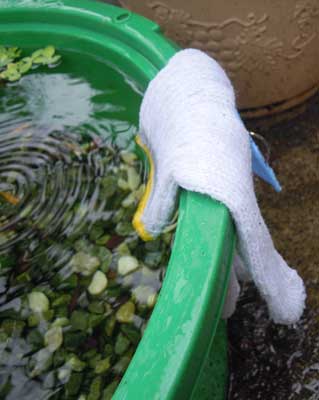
<point x="13" y="67"/>
<point x="77" y="286"/>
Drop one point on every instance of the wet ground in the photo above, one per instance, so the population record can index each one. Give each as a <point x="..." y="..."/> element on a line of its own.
<point x="271" y="361"/>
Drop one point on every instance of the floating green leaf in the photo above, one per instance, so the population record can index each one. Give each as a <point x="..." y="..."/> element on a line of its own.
<point x="12" y="69"/>
<point x="8" y="55"/>
<point x="45" y="56"/>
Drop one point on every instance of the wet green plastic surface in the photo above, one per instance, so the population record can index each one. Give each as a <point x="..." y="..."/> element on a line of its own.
<point x="177" y="356"/>
<point x="183" y="324"/>
<point x="212" y="383"/>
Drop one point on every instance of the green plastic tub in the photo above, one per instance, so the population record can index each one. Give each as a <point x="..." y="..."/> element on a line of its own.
<point x="183" y="353"/>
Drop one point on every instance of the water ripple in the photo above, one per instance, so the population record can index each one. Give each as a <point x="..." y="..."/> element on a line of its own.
<point x="50" y="184"/>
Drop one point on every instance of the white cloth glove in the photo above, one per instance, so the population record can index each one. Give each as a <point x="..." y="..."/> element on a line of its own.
<point x="197" y="141"/>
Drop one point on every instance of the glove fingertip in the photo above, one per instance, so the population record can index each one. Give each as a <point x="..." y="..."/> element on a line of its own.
<point x="139" y="226"/>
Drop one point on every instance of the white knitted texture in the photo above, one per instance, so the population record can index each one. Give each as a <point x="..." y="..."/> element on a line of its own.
<point x="190" y="124"/>
<point x="232" y="295"/>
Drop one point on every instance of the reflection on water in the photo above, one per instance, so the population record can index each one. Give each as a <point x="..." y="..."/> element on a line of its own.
<point x="58" y="133"/>
<point x="60" y="102"/>
<point x="55" y="135"/>
<point x="271" y="361"/>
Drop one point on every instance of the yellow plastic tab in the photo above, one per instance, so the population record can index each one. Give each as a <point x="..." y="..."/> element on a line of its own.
<point x="137" y="219"/>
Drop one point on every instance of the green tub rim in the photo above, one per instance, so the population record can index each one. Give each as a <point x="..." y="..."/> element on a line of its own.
<point x="172" y="353"/>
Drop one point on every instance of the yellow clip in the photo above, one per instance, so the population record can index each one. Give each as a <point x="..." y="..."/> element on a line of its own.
<point x="137" y="220"/>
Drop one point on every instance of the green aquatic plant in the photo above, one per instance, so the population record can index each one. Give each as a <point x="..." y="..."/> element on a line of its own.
<point x="13" y="67"/>
<point x="8" y="55"/>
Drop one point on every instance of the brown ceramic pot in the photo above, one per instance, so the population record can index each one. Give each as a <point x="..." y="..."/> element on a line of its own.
<point x="269" y="48"/>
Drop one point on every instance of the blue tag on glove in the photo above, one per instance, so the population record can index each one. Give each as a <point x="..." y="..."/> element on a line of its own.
<point x="261" y="168"/>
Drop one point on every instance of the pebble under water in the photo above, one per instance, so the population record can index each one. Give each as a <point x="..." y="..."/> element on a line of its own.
<point x="77" y="286"/>
<point x="56" y="134"/>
